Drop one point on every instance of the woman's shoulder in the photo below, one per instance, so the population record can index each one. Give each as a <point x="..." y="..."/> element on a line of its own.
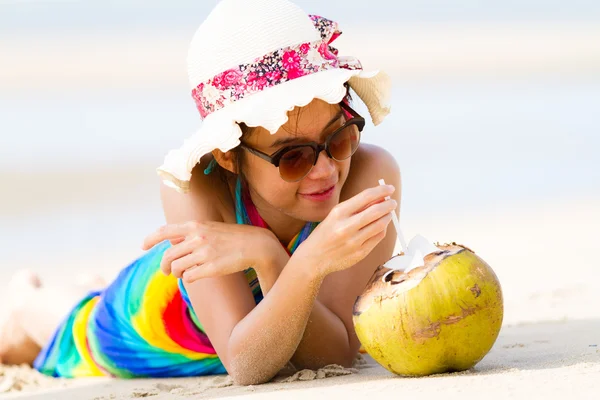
<point x="209" y="198"/>
<point x="369" y="164"/>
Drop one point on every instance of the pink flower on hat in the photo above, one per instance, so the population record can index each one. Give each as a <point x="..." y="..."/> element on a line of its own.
<point x="290" y="60"/>
<point x="197" y="91"/>
<point x="227" y="78"/>
<point x="295" y="73"/>
<point x="252" y="76"/>
<point x="240" y="89"/>
<point x="304" y="48"/>
<point x="261" y="82"/>
<point x="256" y="81"/>
<point x="274" y="76"/>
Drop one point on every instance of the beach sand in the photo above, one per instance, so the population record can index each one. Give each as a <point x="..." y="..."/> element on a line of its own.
<point x="538" y="360"/>
<point x="549" y="346"/>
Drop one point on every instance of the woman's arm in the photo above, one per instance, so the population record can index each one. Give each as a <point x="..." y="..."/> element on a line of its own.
<point x="255" y="346"/>
<point x="325" y="338"/>
<point x="254" y="343"/>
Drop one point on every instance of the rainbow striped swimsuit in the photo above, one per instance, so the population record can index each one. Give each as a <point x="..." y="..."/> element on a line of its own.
<point x="143" y="324"/>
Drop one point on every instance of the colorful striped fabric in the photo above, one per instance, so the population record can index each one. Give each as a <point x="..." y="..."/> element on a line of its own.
<point x="142" y="324"/>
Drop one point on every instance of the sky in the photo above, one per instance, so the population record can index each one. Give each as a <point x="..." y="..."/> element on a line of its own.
<point x="25" y="16"/>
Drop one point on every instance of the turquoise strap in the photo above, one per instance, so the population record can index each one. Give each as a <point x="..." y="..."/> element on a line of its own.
<point x="211" y="167"/>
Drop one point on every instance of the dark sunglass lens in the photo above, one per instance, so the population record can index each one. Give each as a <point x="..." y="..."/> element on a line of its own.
<point x="344" y="143"/>
<point x="296" y="163"/>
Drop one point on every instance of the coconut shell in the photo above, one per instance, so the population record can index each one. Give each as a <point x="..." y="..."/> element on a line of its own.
<point x="444" y="316"/>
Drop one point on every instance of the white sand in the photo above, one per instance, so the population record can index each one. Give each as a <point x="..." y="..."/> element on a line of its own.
<point x="549" y="347"/>
<point x="544" y="360"/>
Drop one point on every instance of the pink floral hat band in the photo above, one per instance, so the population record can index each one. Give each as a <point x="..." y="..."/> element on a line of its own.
<point x="273" y="69"/>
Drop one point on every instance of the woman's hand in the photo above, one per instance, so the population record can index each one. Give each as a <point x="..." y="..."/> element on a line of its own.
<point x="211" y="249"/>
<point x="350" y="232"/>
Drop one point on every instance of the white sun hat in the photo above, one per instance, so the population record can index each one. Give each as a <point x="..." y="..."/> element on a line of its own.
<point x="253" y="61"/>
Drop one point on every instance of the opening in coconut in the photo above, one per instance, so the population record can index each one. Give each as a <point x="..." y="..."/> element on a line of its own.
<point x="390" y="280"/>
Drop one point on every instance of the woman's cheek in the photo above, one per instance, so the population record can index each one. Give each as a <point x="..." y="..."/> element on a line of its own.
<point x="268" y="183"/>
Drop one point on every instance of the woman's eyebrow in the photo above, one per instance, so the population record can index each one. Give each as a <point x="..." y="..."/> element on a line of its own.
<point x="292" y="139"/>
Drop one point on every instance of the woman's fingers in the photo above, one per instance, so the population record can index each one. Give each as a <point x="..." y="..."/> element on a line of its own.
<point x="380" y="200"/>
<point x="198" y="272"/>
<point x="176" y="241"/>
<point x="176" y="252"/>
<point x="216" y="267"/>
<point x="373" y="213"/>
<point x="374" y="228"/>
<point x="169" y="232"/>
<point x="373" y="241"/>
<point x="212" y="267"/>
<point x="363" y="199"/>
<point x="200" y="255"/>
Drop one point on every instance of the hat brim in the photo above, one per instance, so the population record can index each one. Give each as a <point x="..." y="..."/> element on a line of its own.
<point x="269" y="109"/>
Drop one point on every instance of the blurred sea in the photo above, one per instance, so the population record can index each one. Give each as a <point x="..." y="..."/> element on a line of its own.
<point x="479" y="127"/>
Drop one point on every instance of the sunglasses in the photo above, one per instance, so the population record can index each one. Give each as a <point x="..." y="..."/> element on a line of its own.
<point x="296" y="161"/>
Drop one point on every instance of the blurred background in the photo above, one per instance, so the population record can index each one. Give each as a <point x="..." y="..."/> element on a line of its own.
<point x="495" y="125"/>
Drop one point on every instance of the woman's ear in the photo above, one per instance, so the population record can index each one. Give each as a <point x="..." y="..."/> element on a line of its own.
<point x="226" y="160"/>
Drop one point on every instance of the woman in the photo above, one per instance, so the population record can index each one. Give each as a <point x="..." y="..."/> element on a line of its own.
<point x="275" y="221"/>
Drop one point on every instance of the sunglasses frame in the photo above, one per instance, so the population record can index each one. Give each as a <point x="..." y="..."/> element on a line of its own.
<point x="275" y="158"/>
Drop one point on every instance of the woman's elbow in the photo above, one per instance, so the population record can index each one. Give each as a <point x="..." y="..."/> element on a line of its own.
<point x="247" y="380"/>
<point x="249" y="376"/>
<point x="248" y="373"/>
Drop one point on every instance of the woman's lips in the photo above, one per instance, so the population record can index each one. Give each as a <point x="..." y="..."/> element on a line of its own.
<point x="326" y="195"/>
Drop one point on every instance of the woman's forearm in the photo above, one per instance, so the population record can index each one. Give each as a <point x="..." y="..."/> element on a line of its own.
<point x="273" y="259"/>
<point x="264" y="341"/>
<point x="325" y="338"/>
<point x="325" y="341"/>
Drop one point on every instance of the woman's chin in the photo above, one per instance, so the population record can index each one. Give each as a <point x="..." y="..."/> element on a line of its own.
<point x="316" y="217"/>
<point x="318" y="212"/>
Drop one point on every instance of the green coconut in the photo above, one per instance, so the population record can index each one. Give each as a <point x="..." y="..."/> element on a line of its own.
<point x="443" y="316"/>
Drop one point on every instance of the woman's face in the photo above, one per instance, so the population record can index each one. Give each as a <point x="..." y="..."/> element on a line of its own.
<point x="303" y="200"/>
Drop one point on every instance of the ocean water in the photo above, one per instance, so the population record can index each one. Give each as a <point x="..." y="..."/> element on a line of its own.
<point x="79" y="181"/>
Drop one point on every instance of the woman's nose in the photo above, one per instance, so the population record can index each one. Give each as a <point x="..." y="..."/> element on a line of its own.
<point x="324" y="168"/>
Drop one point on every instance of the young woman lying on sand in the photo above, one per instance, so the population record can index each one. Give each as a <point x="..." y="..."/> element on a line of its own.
<point x="269" y="238"/>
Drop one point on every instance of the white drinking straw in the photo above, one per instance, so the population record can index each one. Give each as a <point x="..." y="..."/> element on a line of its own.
<point x="399" y="234"/>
